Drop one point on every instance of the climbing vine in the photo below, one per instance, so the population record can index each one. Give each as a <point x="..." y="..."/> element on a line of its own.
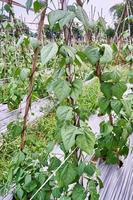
<point x="75" y="175"/>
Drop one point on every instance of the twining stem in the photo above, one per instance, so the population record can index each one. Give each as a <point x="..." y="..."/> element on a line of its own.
<point x="70" y="78"/>
<point x="31" y="79"/>
<point x="98" y="74"/>
<point x="98" y="71"/>
<point x="111" y="119"/>
<point x="80" y="3"/>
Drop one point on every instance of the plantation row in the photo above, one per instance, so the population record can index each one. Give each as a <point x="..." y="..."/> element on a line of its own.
<point x="81" y="79"/>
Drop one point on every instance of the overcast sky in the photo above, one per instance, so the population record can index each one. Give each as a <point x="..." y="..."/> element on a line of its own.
<point x="100" y="4"/>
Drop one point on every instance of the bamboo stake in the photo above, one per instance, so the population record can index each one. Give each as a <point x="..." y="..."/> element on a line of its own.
<point x="31" y="80"/>
<point x="119" y="23"/>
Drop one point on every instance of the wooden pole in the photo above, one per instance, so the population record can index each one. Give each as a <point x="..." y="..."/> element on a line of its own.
<point x="31" y="80"/>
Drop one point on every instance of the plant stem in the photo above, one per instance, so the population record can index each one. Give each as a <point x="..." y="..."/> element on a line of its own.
<point x="111" y="119"/>
<point x="98" y="71"/>
<point x="80" y="3"/>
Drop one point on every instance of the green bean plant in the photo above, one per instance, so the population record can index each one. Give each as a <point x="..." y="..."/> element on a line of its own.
<point x="124" y="55"/>
<point x="46" y="176"/>
<point x="15" y="69"/>
<point x="112" y="142"/>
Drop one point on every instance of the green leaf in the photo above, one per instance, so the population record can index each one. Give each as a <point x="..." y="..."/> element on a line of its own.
<point x="24" y="73"/>
<point x="50" y="147"/>
<point x="78" y="61"/>
<point x="126" y="34"/>
<point x="68" y="51"/>
<point x="10" y="175"/>
<point x="111" y="158"/>
<point x="20" y="41"/>
<point x="101" y="184"/>
<point x="66" y="175"/>
<point x="108" y="54"/>
<point x="27" y="179"/>
<point x="7" y="8"/>
<point x="48" y="52"/>
<point x="37" y="6"/>
<point x="130" y="47"/>
<point x="115" y="48"/>
<point x="82" y="55"/>
<point x="104" y="105"/>
<point x="64" y="113"/>
<point x="78" y="193"/>
<point x="118" y="130"/>
<point x="83" y="17"/>
<point x="92" y="54"/>
<point x="28" y="5"/>
<point x="118" y="89"/>
<point x="62" y="89"/>
<point x="130" y="18"/>
<point x="56" y="192"/>
<point x="105" y="128"/>
<point x="41" y="177"/>
<point x="19" y="192"/>
<point x="77" y="87"/>
<point x="23" y="40"/>
<point x="106" y="89"/>
<point x="86" y="141"/>
<point x="20" y="157"/>
<point x="93" y="190"/>
<point x="30" y="187"/>
<point x="125" y="134"/>
<point x="14" y="129"/>
<point x="54" y="163"/>
<point x="68" y="134"/>
<point x="34" y="42"/>
<point x="127" y="106"/>
<point x="129" y="58"/>
<point x="124" y="150"/>
<point x="90" y="169"/>
<point x="66" y="19"/>
<point x="81" y="168"/>
<point x="114" y="76"/>
<point x="55" y="16"/>
<point x="106" y="76"/>
<point x="116" y="105"/>
<point x="40" y="195"/>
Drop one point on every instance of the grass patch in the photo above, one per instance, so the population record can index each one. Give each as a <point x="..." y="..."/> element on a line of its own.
<point x="38" y="136"/>
<point x="88" y="101"/>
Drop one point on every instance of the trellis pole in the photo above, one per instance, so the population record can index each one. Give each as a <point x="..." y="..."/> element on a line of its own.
<point x="31" y="80"/>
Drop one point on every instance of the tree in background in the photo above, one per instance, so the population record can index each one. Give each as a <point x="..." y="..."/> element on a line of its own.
<point x="110" y="32"/>
<point x="77" y="31"/>
<point x="9" y="22"/>
<point x="121" y="13"/>
<point x="5" y="23"/>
